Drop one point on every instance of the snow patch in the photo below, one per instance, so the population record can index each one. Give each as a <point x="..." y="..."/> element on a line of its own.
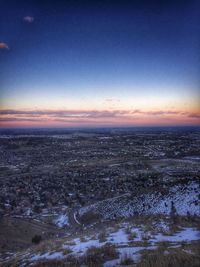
<point x="62" y="221"/>
<point x="48" y="256"/>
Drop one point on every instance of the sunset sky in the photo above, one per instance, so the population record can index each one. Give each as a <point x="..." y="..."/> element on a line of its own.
<point x="99" y="63"/>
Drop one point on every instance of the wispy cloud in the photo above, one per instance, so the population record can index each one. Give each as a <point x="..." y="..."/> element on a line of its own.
<point x="96" y="117"/>
<point x="3" y="46"/>
<point x="28" y="19"/>
<point x="64" y="113"/>
<point x="9" y="119"/>
<point x="194" y="115"/>
<point x="156" y="113"/>
<point x="112" y="100"/>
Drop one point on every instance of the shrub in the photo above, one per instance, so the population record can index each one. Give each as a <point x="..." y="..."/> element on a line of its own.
<point x="36" y="239"/>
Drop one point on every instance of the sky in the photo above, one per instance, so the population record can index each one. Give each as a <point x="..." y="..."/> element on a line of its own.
<point x="100" y="63"/>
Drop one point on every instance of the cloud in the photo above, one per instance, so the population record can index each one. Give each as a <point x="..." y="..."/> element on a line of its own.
<point x="93" y="113"/>
<point x="112" y="100"/>
<point x="28" y="19"/>
<point x="94" y="116"/>
<point x="65" y="113"/>
<point x="4" y="46"/>
<point x="18" y="119"/>
<point x="59" y="116"/>
<point x="194" y="115"/>
<point x="156" y="113"/>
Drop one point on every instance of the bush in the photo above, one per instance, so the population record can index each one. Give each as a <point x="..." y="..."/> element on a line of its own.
<point x="36" y="239"/>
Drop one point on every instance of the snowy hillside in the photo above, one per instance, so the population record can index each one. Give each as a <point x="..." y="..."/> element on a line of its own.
<point x="109" y="247"/>
<point x="180" y="199"/>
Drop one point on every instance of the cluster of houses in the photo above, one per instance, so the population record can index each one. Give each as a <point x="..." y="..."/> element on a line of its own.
<point x="40" y="173"/>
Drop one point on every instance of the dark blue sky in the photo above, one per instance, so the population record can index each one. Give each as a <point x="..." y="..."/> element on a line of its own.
<point x="78" y="52"/>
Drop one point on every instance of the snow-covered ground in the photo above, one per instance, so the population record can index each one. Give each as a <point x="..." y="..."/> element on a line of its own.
<point x="123" y="245"/>
<point x="128" y="237"/>
<point x="48" y="255"/>
<point x="186" y="235"/>
<point x="132" y="252"/>
<point x="62" y="220"/>
<point x="119" y="237"/>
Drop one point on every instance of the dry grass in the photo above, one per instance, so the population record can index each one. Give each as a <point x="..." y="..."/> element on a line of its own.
<point x="126" y="260"/>
<point x="89" y="218"/>
<point x="143" y="243"/>
<point x="132" y="236"/>
<point x="48" y="245"/>
<point x="102" y="237"/>
<point x="83" y="239"/>
<point x="72" y="262"/>
<point x="164" y="256"/>
<point x="145" y="236"/>
<point x="107" y="251"/>
<point x="173" y="258"/>
<point x="96" y="256"/>
<point x="162" y="246"/>
<point x="175" y="222"/>
<point x="128" y="230"/>
<point x="52" y="263"/>
<point x="14" y="263"/>
<point x="16" y="233"/>
<point x="66" y="251"/>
